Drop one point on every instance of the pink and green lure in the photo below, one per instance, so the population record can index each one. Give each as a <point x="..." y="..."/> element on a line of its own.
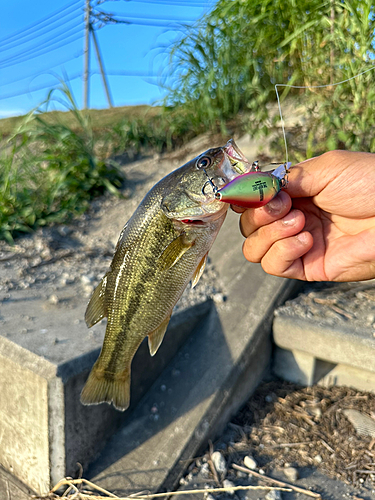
<point x="254" y="189"/>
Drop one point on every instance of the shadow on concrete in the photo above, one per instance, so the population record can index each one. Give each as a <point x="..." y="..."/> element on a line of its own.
<point x="177" y="391"/>
<point x="83" y="437"/>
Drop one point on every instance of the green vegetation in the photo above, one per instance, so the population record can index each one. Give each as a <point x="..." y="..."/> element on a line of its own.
<point x="228" y="64"/>
<point x="54" y="163"/>
<point x="49" y="171"/>
<point x="222" y="74"/>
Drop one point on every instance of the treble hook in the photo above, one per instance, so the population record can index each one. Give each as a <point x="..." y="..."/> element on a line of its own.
<point x="210" y="182"/>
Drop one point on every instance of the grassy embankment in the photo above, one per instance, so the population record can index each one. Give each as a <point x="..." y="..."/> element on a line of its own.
<point x="53" y="163"/>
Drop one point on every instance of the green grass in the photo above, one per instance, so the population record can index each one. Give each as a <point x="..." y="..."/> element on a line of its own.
<point x="49" y="170"/>
<point x="53" y="163"/>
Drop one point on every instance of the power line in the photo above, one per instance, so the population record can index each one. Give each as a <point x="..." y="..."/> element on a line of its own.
<point x="128" y="73"/>
<point x="172" y="2"/>
<point x="33" y="36"/>
<point x="146" y="23"/>
<point x="42" y="71"/>
<point x="57" y="37"/>
<point x="74" y="77"/>
<point x="50" y="49"/>
<point x="149" y="17"/>
<point x="40" y="87"/>
<point x="41" y="21"/>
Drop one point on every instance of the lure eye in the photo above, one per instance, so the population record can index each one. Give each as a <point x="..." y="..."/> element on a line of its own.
<point x="204" y="162"/>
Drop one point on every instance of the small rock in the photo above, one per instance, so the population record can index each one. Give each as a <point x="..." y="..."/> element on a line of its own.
<point x="88" y="289"/>
<point x="291" y="473"/>
<point x="85" y="280"/>
<point x="228" y="484"/>
<point x="318" y="459"/>
<point x="208" y="496"/>
<point x="218" y="298"/>
<point x="53" y="299"/>
<point x="273" y="495"/>
<point x="250" y="462"/>
<point x="241" y="475"/>
<point x="219" y="462"/>
<point x="205" y="470"/>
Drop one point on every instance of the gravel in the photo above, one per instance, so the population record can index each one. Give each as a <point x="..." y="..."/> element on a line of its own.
<point x="72" y="258"/>
<point x="279" y="434"/>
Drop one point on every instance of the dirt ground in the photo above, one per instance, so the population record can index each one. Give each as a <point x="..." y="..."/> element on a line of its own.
<point x="307" y="426"/>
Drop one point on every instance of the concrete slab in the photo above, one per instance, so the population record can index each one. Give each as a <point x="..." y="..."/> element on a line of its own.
<point x="11" y="488"/>
<point x="212" y="375"/>
<point x="334" y="344"/>
<point x="45" y="430"/>
<point x="327" y="336"/>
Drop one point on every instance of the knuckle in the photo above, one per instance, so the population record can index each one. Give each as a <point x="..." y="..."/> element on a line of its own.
<point x="250" y="251"/>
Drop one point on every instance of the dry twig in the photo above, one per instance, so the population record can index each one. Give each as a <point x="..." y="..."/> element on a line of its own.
<point x="80" y="495"/>
<point x="276" y="481"/>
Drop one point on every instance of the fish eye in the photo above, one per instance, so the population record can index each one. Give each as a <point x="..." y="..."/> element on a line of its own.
<point x="203" y="162"/>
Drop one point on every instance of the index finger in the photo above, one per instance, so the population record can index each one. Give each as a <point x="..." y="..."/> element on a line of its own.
<point x="254" y="218"/>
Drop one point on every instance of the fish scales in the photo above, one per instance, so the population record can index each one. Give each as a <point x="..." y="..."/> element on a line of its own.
<point x="161" y="248"/>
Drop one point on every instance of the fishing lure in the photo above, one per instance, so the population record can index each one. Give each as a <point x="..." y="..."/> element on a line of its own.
<point x="254" y="189"/>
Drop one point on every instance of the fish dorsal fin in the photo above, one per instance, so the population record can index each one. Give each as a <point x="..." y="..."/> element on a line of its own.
<point x="96" y="309"/>
<point x="155" y="338"/>
<point x="199" y="271"/>
<point x="174" y="251"/>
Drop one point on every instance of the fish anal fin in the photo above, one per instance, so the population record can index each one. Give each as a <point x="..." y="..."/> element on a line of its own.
<point x="104" y="387"/>
<point x="199" y="271"/>
<point x="96" y="309"/>
<point x="174" y="251"/>
<point x="155" y="338"/>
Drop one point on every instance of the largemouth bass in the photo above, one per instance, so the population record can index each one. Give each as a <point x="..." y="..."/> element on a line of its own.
<point x="160" y="250"/>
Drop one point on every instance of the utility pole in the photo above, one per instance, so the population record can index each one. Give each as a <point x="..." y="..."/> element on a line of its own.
<point x="86" y="56"/>
<point x="104" y="78"/>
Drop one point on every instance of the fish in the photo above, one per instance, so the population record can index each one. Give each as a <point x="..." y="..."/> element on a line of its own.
<point x="162" y="247"/>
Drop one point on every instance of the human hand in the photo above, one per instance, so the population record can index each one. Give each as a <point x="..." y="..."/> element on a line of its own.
<point x="323" y="227"/>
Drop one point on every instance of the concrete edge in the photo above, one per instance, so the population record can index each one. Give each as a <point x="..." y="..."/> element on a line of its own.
<point x="235" y="390"/>
<point x="27" y="359"/>
<point x="336" y="345"/>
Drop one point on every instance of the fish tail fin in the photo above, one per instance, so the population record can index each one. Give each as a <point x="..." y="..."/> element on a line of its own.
<point x="105" y="387"/>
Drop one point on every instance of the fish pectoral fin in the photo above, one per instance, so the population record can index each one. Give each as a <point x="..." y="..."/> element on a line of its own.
<point x="155" y="338"/>
<point x="96" y="309"/>
<point x="174" y="251"/>
<point x="199" y="271"/>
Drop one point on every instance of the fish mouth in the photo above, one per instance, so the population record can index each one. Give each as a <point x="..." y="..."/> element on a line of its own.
<point x="238" y="160"/>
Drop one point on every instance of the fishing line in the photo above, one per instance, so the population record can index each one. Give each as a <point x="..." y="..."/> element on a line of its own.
<point x="308" y="87"/>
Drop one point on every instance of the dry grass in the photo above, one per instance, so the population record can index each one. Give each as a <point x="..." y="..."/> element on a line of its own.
<point x="100" y="118"/>
<point x="284" y="423"/>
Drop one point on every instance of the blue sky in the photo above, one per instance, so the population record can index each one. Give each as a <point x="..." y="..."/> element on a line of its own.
<point x="35" y="47"/>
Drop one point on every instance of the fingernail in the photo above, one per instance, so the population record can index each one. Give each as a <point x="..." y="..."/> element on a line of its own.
<point x="289" y="219"/>
<point x="275" y="206"/>
<point x="303" y="238"/>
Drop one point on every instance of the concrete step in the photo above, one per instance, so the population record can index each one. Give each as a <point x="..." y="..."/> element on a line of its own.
<point x="211" y="377"/>
<point x="45" y="429"/>
<point x="327" y="337"/>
